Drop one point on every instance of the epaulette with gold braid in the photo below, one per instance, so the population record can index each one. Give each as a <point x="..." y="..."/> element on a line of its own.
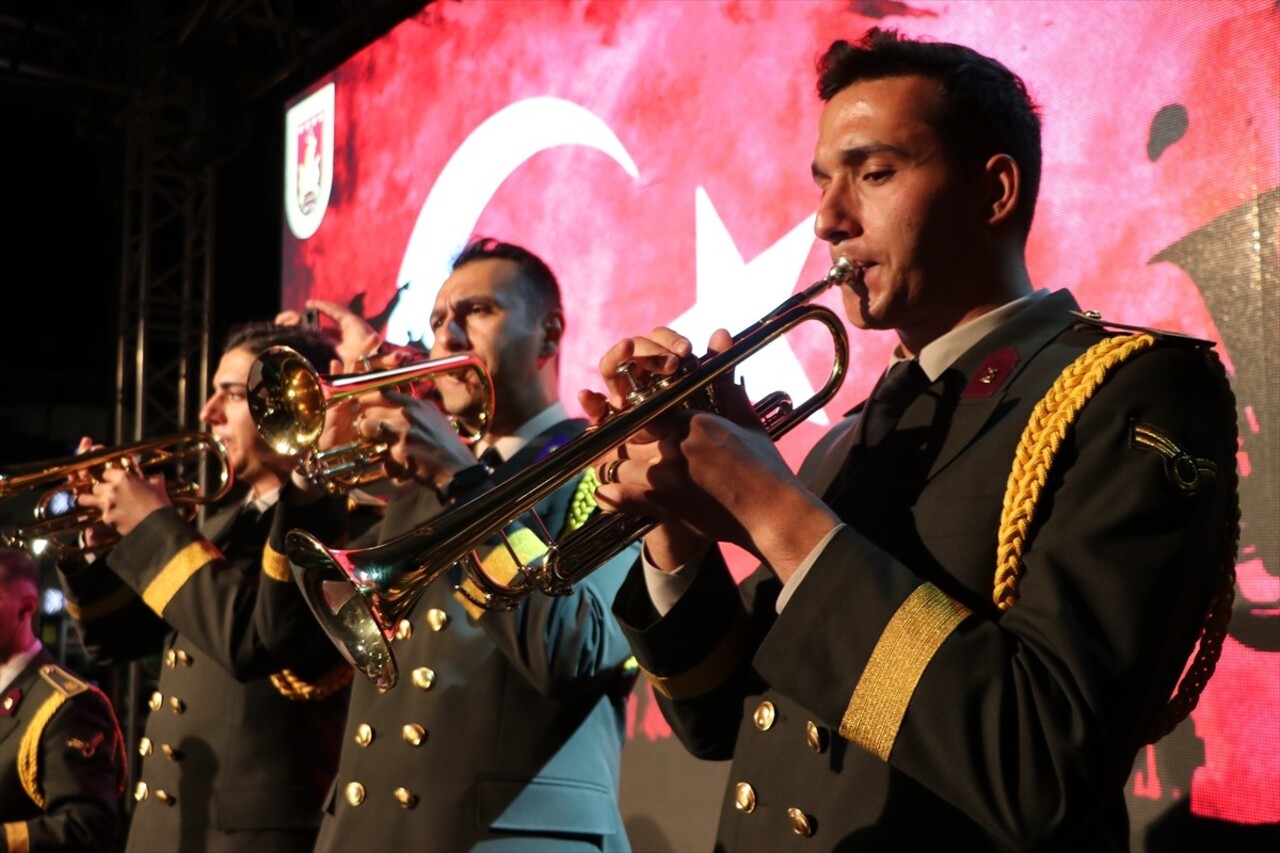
<point x="1094" y="318"/>
<point x="1052" y="417"/>
<point x="65" y="686"/>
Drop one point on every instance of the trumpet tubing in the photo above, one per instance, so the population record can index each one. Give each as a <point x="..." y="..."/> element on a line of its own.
<point x="359" y="595"/>
<point x="288" y="400"/>
<point x="56" y="511"/>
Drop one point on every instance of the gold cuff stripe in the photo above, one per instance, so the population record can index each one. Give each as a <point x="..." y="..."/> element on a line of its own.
<point x="498" y="563"/>
<point x="276" y="565"/>
<point x="117" y="599"/>
<point x="910" y="640"/>
<point x="17" y="837"/>
<point x="177" y="572"/>
<point x="711" y="672"/>
<point x="29" y="747"/>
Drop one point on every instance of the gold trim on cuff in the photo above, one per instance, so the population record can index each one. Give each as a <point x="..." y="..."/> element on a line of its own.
<point x="910" y="640"/>
<point x="711" y="671"/>
<point x="177" y="572"/>
<point x="276" y="565"/>
<point x="17" y="837"/>
<point x="117" y="599"/>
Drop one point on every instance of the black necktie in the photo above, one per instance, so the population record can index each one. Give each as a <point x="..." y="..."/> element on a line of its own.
<point x="902" y="384"/>
<point x="492" y="457"/>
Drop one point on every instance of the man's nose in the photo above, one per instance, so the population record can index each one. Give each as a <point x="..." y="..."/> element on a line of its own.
<point x="212" y="412"/>
<point x="450" y="337"/>
<point x="837" y="218"/>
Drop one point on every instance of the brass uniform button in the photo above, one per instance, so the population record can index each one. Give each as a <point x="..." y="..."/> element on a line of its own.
<point x="177" y="705"/>
<point x="744" y="797"/>
<point x="437" y="619"/>
<point x="165" y="797"/>
<point x="801" y="823"/>
<point x="155" y="701"/>
<point x="815" y="736"/>
<point x="413" y="734"/>
<point x="8" y="703"/>
<point x="355" y="793"/>
<point x="406" y="798"/>
<point x="144" y="747"/>
<point x="169" y="752"/>
<point x="423" y="678"/>
<point x="764" y="716"/>
<point x="183" y="658"/>
<point x="404" y="630"/>
<point x="171" y="659"/>
<point x="364" y="734"/>
<point x="140" y="791"/>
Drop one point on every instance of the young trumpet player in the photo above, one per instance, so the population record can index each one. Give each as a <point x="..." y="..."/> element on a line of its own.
<point x="979" y="593"/>
<point x="241" y="736"/>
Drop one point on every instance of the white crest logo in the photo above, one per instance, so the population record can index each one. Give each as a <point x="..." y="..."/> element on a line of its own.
<point x="308" y="142"/>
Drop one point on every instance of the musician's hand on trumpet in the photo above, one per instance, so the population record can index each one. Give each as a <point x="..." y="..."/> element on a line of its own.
<point x="123" y="497"/>
<point x="706" y="477"/>
<point x="423" y="444"/>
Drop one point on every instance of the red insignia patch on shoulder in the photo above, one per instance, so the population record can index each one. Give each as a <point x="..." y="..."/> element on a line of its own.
<point x="991" y="374"/>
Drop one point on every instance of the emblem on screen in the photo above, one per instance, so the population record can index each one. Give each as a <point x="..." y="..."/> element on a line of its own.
<point x="308" y="161"/>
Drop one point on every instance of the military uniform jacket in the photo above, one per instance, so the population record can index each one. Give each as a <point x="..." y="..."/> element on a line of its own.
<point x="502" y="724"/>
<point x="891" y="705"/>
<point x="62" y="763"/>
<point x="242" y="732"/>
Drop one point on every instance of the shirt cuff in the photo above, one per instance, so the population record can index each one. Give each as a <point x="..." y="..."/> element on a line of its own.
<point x="793" y="583"/>
<point x="665" y="588"/>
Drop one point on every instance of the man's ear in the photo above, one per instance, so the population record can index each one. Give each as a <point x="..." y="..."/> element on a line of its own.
<point x="552" y="333"/>
<point x="1004" y="185"/>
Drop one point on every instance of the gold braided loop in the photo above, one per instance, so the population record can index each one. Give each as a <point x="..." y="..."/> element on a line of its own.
<point x="29" y="747"/>
<point x="584" y="500"/>
<point x="1033" y="459"/>
<point x="291" y="686"/>
<point x="1219" y="615"/>
<point x="1045" y="430"/>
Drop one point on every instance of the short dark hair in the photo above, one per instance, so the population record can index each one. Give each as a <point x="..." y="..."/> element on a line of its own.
<point x="533" y="270"/>
<point x="17" y="565"/>
<point x="314" y="345"/>
<point x="985" y="108"/>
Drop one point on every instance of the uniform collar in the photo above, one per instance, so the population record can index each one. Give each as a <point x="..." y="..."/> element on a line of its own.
<point x="939" y="354"/>
<point x="11" y="668"/>
<point x="510" y="445"/>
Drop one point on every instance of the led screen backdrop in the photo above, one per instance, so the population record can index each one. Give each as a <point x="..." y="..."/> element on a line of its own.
<point x="656" y="154"/>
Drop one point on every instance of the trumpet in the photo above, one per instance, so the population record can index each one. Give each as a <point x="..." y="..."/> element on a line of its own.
<point x="288" y="399"/>
<point x="359" y="595"/>
<point x="57" y="511"/>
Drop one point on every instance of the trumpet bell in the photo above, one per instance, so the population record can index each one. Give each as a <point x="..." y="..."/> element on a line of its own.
<point x="359" y="605"/>
<point x="287" y="401"/>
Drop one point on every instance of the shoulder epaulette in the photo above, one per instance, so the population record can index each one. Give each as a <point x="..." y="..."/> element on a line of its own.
<point x="1093" y="318"/>
<point x="63" y="681"/>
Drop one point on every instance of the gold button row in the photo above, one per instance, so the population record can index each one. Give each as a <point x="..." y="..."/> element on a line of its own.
<point x="141" y="792"/>
<point x="356" y="795"/>
<point x="816" y="738"/>
<point x="176" y="658"/>
<point x="412" y="734"/>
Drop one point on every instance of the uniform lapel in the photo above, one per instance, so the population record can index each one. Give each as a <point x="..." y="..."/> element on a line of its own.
<point x="998" y="359"/>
